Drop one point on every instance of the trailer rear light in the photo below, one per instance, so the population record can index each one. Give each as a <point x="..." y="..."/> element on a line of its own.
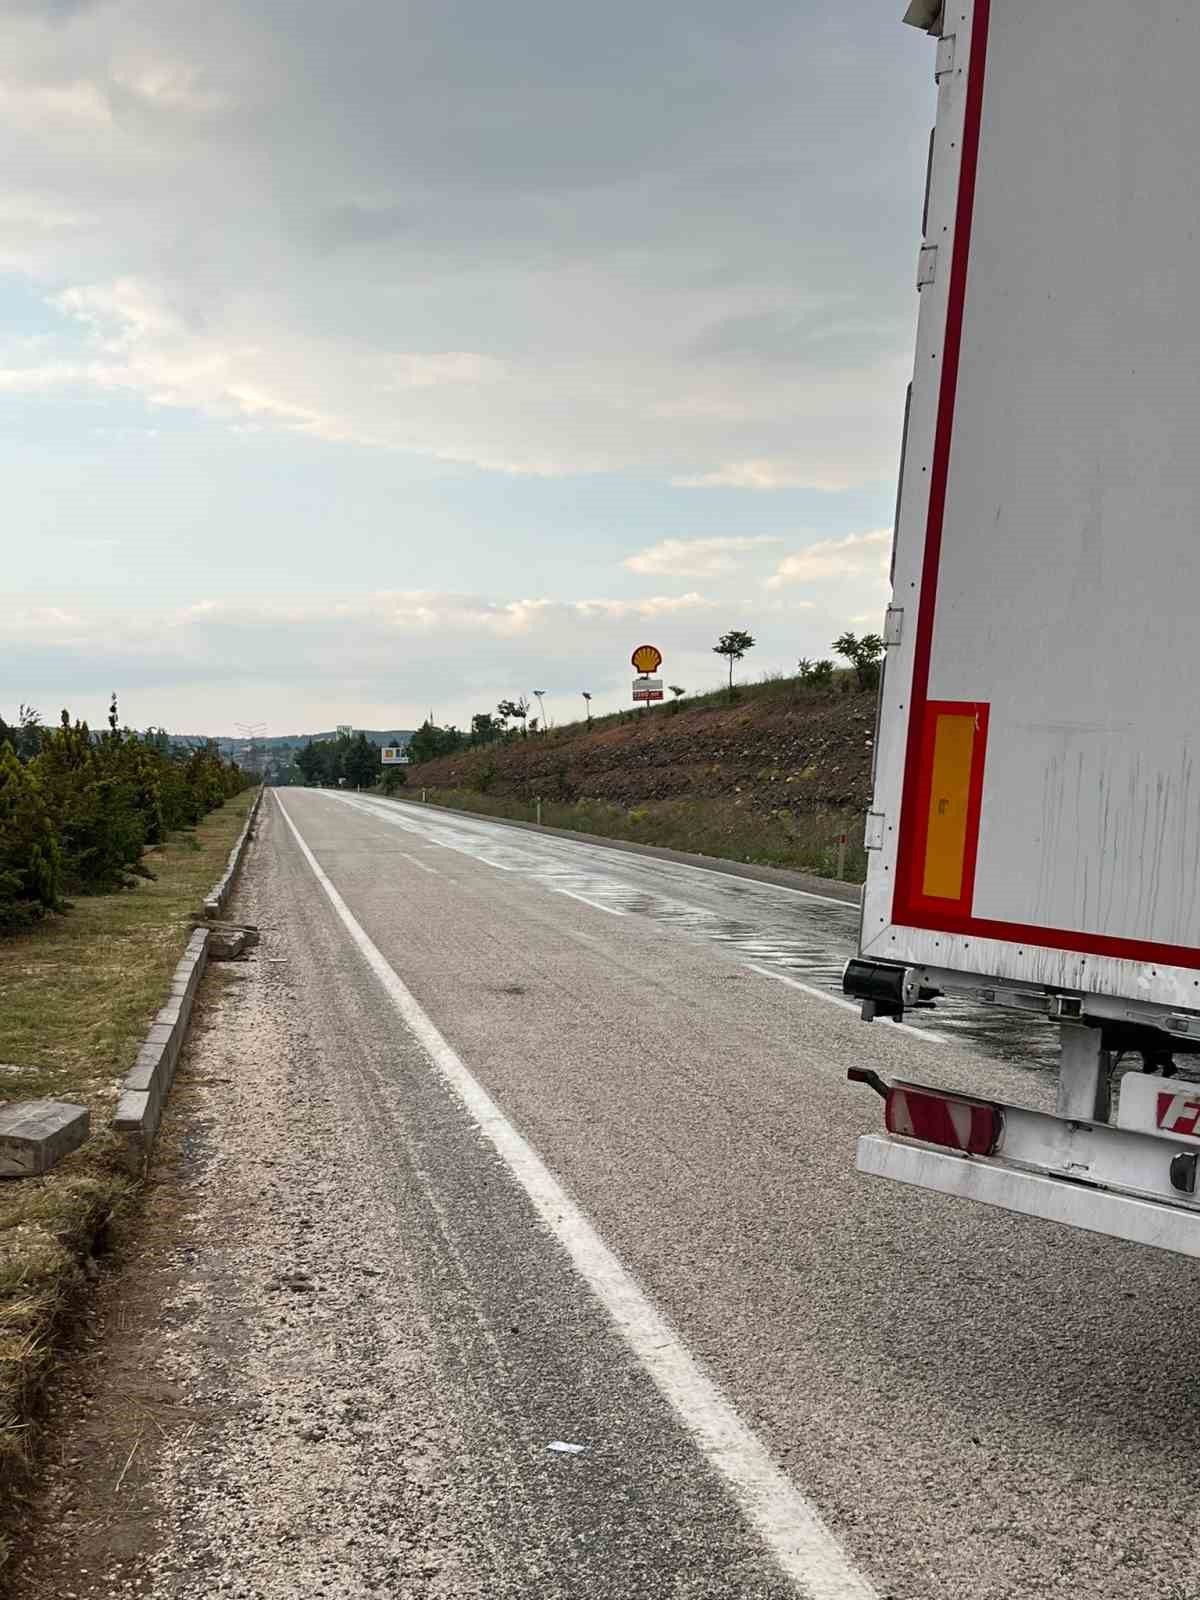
<point x="950" y="1120"/>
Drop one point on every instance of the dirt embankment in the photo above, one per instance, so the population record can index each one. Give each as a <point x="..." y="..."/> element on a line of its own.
<point x="798" y="751"/>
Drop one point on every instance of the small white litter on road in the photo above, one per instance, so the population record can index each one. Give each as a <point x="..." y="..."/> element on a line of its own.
<point x="566" y="1449"/>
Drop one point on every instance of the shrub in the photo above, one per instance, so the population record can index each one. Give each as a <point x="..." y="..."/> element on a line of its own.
<point x="94" y="805"/>
<point x="817" y="673"/>
<point x="90" y="804"/>
<point x="484" y="776"/>
<point x="30" y="859"/>
<point x="863" y="655"/>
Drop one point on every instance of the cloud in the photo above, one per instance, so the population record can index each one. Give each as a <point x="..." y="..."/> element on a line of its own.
<point x="498" y="243"/>
<point x="46" y="376"/>
<point x="367" y="255"/>
<point x="858" y="555"/>
<point x="381" y="659"/>
<point x="53" y="9"/>
<point x="448" y="366"/>
<point x="695" y="558"/>
<point x="657" y="606"/>
<point x="763" y="474"/>
<point x="39" y="619"/>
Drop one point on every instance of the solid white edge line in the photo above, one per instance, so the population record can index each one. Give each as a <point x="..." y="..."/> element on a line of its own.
<point x="788" y="1523"/>
<point x="846" y="1005"/>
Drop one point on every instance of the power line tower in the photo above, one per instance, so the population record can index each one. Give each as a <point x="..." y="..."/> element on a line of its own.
<point x="252" y="755"/>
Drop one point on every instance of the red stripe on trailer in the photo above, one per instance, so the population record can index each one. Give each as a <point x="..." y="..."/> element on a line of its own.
<point x="910" y="865"/>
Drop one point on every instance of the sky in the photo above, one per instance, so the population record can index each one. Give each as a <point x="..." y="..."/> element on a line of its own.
<point x="385" y="358"/>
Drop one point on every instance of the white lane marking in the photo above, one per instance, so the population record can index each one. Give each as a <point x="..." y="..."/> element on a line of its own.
<point x="612" y="910"/>
<point x="404" y="856"/>
<point x="846" y="1005"/>
<point x="490" y="827"/>
<point x="787" y="1521"/>
<point x="805" y="988"/>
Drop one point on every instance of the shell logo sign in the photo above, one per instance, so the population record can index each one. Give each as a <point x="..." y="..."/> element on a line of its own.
<point x="647" y="659"/>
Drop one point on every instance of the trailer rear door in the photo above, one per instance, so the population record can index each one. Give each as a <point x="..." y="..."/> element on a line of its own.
<point x="1037" y="803"/>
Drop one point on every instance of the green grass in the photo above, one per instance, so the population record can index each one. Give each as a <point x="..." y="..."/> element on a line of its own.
<point x="804" y="842"/>
<point x="79" y="991"/>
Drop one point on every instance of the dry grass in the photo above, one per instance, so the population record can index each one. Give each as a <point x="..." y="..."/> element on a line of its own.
<point x="77" y="994"/>
<point x="803" y="842"/>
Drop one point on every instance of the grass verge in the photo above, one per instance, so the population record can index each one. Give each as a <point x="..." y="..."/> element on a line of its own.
<point x="77" y="993"/>
<point x="803" y="842"/>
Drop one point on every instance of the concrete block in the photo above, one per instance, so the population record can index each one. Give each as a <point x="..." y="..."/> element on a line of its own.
<point x="250" y="929"/>
<point x="35" y="1134"/>
<point x="141" y="1076"/>
<point x="131" y="1110"/>
<point x="226" y="944"/>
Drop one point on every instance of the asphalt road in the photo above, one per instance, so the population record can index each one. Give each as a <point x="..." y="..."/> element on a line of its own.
<point x="564" y="1155"/>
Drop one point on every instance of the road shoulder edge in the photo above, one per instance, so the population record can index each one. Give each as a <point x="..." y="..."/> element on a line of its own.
<point x="144" y="1090"/>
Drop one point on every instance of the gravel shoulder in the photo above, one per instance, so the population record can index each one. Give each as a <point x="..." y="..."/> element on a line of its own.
<point x="339" y="1348"/>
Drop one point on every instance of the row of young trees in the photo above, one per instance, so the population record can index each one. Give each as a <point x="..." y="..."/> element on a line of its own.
<point x="77" y="808"/>
<point x="863" y="655"/>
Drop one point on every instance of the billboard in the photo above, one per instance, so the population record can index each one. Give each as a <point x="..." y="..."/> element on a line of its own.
<point x="647" y="689"/>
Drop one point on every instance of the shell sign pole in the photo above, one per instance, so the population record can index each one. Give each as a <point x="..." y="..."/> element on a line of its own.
<point x="647" y="659"/>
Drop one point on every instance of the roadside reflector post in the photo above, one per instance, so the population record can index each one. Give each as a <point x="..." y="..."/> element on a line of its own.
<point x="539" y="810"/>
<point x="1084" y="1075"/>
<point x="422" y="796"/>
<point x="841" y="857"/>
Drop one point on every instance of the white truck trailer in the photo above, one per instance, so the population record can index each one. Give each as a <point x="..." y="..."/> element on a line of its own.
<point x="1034" y="839"/>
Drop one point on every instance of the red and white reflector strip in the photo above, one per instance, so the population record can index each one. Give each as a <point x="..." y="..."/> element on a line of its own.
<point x="951" y="1120"/>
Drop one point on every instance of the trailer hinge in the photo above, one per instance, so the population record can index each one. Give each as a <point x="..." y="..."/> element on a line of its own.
<point x="945" y="57"/>
<point x="926" y="265"/>
<point x="926" y="14"/>
<point x="873" y="838"/>
<point x="893" y="624"/>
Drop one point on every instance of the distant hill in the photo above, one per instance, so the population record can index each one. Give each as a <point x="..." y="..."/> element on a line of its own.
<point x="288" y="741"/>
<point x="779" y="745"/>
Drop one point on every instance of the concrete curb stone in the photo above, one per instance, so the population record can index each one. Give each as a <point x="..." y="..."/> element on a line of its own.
<point x="218" y="899"/>
<point x="145" y="1087"/>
